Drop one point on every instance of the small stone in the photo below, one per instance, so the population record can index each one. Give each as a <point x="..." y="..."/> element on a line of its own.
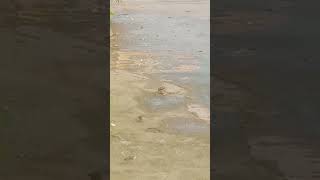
<point x="130" y="158"/>
<point x="162" y="90"/>
<point x="139" y="119"/>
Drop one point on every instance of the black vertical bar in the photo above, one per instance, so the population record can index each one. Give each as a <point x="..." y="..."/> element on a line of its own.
<point x="54" y="90"/>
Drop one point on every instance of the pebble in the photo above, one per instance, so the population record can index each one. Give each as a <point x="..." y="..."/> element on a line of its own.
<point x="139" y="119"/>
<point x="129" y="158"/>
<point x="162" y="90"/>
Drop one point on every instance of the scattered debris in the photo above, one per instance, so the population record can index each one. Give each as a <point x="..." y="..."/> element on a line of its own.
<point x="130" y="158"/>
<point x="153" y="130"/>
<point x="169" y="88"/>
<point x="162" y="90"/>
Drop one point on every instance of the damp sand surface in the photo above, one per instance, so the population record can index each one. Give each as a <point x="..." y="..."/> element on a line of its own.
<point x="160" y="90"/>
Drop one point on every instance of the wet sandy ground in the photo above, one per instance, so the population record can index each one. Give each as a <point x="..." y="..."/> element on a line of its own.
<point x="268" y="50"/>
<point x="160" y="91"/>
